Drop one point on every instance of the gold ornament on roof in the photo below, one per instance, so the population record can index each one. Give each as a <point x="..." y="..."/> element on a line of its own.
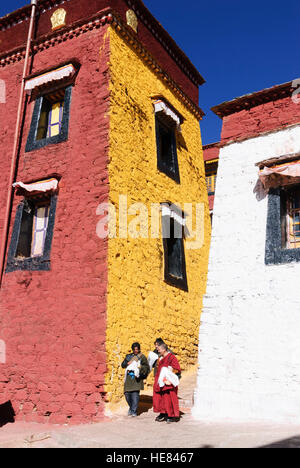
<point x="132" y="20"/>
<point x="58" y="19"/>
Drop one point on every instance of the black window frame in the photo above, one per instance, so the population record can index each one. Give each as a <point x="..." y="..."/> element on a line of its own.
<point x="275" y="253"/>
<point x="32" y="142"/>
<point x="172" y="172"/>
<point x="41" y="263"/>
<point x="178" y="282"/>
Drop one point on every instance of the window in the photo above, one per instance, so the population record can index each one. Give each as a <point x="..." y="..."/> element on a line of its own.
<point x="32" y="235"/>
<point x="167" y="161"/>
<point x="283" y="225"/>
<point x="211" y="169"/>
<point x="50" y="120"/>
<point x="211" y="183"/>
<point x="174" y="255"/>
<point x="33" y="230"/>
<point x="290" y="218"/>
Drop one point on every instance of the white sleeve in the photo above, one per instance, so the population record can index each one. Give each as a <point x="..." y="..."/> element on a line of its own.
<point x="152" y="358"/>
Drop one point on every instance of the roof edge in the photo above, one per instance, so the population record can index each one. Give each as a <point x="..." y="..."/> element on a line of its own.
<point x="145" y="14"/>
<point x="23" y="14"/>
<point x="254" y="99"/>
<point x="216" y="144"/>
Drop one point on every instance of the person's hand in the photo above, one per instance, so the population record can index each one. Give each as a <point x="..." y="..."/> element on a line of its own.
<point x="167" y="382"/>
<point x="132" y="360"/>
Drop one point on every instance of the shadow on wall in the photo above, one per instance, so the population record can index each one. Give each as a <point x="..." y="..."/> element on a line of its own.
<point x="7" y="414"/>
<point x="260" y="191"/>
<point x="293" y="442"/>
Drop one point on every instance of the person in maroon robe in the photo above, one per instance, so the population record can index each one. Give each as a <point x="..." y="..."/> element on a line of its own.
<point x="165" y="399"/>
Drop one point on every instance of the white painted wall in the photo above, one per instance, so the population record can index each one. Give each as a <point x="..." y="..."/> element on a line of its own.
<point x="249" y="351"/>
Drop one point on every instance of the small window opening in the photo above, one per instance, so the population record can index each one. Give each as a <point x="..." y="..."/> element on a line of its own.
<point x="175" y="252"/>
<point x="290" y="218"/>
<point x="211" y="183"/>
<point x="211" y="170"/>
<point x="51" y="117"/>
<point x="33" y="229"/>
<point x="175" y="266"/>
<point x="166" y="149"/>
<point x="165" y="146"/>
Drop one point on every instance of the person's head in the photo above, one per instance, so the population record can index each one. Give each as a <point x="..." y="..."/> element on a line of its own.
<point x="136" y="348"/>
<point x="158" y="342"/>
<point x="162" y="349"/>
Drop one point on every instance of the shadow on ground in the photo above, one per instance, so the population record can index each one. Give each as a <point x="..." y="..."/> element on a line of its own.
<point x="7" y="414"/>
<point x="293" y="442"/>
<point x="146" y="403"/>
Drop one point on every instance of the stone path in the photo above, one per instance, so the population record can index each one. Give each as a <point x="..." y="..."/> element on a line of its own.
<point x="143" y="432"/>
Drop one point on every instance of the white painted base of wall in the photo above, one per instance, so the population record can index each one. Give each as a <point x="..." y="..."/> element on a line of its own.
<point x="237" y="406"/>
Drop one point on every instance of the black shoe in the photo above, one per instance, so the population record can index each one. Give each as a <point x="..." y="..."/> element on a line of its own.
<point x="161" y="417"/>
<point x="171" y="420"/>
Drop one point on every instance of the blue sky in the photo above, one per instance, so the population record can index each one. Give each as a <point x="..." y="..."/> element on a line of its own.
<point x="239" y="47"/>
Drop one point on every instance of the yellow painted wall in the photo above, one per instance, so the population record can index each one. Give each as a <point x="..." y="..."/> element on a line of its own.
<point x="141" y="306"/>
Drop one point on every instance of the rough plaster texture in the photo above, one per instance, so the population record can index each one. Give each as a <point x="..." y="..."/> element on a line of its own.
<point x="54" y="323"/>
<point x="57" y="326"/>
<point x="265" y="117"/>
<point x="150" y="33"/>
<point x="141" y="306"/>
<point x="249" y="349"/>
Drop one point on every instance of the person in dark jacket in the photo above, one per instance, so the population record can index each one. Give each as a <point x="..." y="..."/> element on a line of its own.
<point x="137" y="369"/>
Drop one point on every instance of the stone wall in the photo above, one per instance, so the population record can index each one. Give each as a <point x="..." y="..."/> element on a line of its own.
<point x="53" y="323"/>
<point x="65" y="331"/>
<point x="141" y="306"/>
<point x="265" y="117"/>
<point x="249" y="351"/>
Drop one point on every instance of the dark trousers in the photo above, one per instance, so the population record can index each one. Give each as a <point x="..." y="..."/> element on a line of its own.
<point x="132" y="399"/>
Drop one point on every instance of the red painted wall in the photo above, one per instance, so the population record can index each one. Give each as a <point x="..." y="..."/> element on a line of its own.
<point x="262" y="118"/>
<point x="54" y="323"/>
<point x="211" y="152"/>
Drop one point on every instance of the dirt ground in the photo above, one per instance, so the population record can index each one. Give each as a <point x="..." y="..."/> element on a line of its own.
<point x="120" y="431"/>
